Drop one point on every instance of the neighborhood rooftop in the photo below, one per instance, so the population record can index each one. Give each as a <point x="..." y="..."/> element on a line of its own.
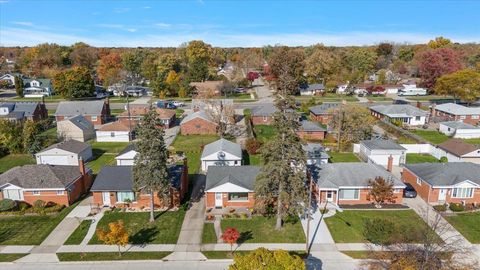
<point x="457" y="109"/>
<point x="265" y="110"/>
<point x="323" y="108"/>
<point x="70" y="146"/>
<point x="23" y="109"/>
<point x="41" y="176"/>
<point x="71" y="108"/>
<point x="458" y="147"/>
<point x="242" y="176"/>
<point x="399" y="110"/>
<point x="224" y="146"/>
<point x="446" y="174"/>
<point x="199" y="114"/>
<point x="382" y="145"/>
<point x="310" y="126"/>
<point x="80" y="122"/>
<point x="459" y="125"/>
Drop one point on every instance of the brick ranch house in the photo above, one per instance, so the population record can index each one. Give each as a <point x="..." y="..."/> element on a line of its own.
<point x="323" y="113"/>
<point x="456" y="112"/>
<point x="166" y="116"/>
<point x="61" y="184"/>
<point x="114" y="187"/>
<point x="438" y="183"/>
<point x="310" y="131"/>
<point x="347" y="183"/>
<point x="198" y="123"/>
<point x="96" y="112"/>
<point x="20" y="111"/>
<point x="230" y="186"/>
<point x="263" y="115"/>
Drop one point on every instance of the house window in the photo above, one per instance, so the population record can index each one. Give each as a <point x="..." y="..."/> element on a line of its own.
<point x="198" y="126"/>
<point x="475" y="116"/>
<point x="94" y="118"/>
<point x="462" y="117"/>
<point x="265" y="118"/>
<point x="60" y="192"/>
<point x="417" y="118"/>
<point x="462" y="193"/>
<point x="349" y="194"/>
<point x="419" y="181"/>
<point x="122" y="196"/>
<point x="112" y="134"/>
<point x="238" y="196"/>
<point x="36" y="192"/>
<point x="235" y="162"/>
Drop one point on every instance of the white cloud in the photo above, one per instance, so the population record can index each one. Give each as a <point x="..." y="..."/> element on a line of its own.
<point x="147" y="7"/>
<point x="109" y="25"/>
<point x="4" y="1"/>
<point x="163" y="25"/>
<point x="121" y="10"/>
<point x="131" y="30"/>
<point x="23" y="23"/>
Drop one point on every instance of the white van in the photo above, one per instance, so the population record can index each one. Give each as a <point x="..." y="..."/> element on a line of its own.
<point x="412" y="90"/>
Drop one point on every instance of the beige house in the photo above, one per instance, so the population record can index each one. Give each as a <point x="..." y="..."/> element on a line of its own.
<point x="75" y="128"/>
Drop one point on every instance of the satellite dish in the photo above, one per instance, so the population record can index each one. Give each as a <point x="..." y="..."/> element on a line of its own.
<point x="221" y="155"/>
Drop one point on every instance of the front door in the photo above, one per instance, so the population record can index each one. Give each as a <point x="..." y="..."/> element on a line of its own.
<point x="106" y="198"/>
<point x="329" y="196"/>
<point x="218" y="199"/>
<point x="442" y="194"/>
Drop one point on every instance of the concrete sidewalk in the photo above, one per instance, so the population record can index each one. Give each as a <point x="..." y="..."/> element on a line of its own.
<point x="319" y="233"/>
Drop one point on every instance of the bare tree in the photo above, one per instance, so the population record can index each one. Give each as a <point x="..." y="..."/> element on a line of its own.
<point x="221" y="112"/>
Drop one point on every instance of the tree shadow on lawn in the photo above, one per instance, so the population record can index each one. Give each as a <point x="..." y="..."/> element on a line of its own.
<point x="244" y="236"/>
<point x="96" y="153"/>
<point x="144" y="236"/>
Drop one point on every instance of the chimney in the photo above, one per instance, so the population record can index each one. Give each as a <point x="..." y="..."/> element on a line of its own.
<point x="390" y="163"/>
<point x="419" y="104"/>
<point x="81" y="165"/>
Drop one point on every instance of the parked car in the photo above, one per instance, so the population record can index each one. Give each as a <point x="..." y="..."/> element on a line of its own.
<point x="178" y="103"/>
<point x="409" y="191"/>
<point x="240" y="90"/>
<point x="170" y="105"/>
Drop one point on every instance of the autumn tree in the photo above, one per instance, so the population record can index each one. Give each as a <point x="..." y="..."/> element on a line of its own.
<point x="116" y="234"/>
<point x="11" y="136"/>
<point x="173" y="82"/>
<point x="30" y="141"/>
<point x="132" y="63"/>
<point x="381" y="191"/>
<point x="43" y="56"/>
<point x="221" y="114"/>
<point x="264" y="259"/>
<point x="109" y="69"/>
<point x="384" y="49"/>
<point x="74" y="83"/>
<point x="83" y="55"/>
<point x="287" y="67"/>
<point x="150" y="173"/>
<point x="322" y="63"/>
<point x="361" y="60"/>
<point x="199" y="55"/>
<point x="439" y="42"/>
<point x="230" y="236"/>
<point x="19" y="86"/>
<point x="252" y="76"/>
<point x="463" y="84"/>
<point x="433" y="64"/>
<point x="351" y="123"/>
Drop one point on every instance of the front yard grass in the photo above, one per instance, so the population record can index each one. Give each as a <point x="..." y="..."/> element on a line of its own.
<point x="192" y="145"/>
<point x="164" y="230"/>
<point x="209" y="235"/>
<point x="264" y="133"/>
<point x="80" y="232"/>
<point x="420" y="158"/>
<point x="218" y="255"/>
<point x="467" y="225"/>
<point x="111" y="256"/>
<point x="348" y="226"/>
<point x="10" y="257"/>
<point x="9" y="161"/>
<point x="260" y="229"/>
<point x="432" y="136"/>
<point x="29" y="230"/>
<point x="343" y="157"/>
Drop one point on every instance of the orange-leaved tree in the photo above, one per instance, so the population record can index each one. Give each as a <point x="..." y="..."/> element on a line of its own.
<point x="381" y="191"/>
<point x="230" y="235"/>
<point x="115" y="235"/>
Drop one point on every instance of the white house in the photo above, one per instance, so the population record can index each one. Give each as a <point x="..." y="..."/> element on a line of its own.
<point x="221" y="153"/>
<point x="9" y="77"/>
<point x="65" y="153"/>
<point x="456" y="150"/>
<point x="37" y="87"/>
<point x="458" y="129"/>
<point x="342" y="88"/>
<point x="316" y="154"/>
<point x="379" y="151"/>
<point x="126" y="156"/>
<point x="76" y="128"/>
<point x="312" y="89"/>
<point x="114" y="132"/>
<point x="407" y="114"/>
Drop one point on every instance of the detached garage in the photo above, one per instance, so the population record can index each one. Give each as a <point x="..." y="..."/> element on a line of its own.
<point x="65" y="153"/>
<point x="458" y="129"/>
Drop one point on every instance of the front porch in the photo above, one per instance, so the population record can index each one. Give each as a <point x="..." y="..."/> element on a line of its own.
<point x="228" y="212"/>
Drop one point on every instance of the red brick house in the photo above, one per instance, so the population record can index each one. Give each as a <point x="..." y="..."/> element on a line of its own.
<point x="323" y="113"/>
<point x="230" y="186"/>
<point x="61" y="184"/>
<point x="167" y="116"/>
<point x="96" y="112"/>
<point x="114" y="187"/>
<point x="20" y="111"/>
<point x="456" y="112"/>
<point x="263" y="115"/>
<point x="438" y="183"/>
<point x="310" y="131"/>
<point x="198" y="123"/>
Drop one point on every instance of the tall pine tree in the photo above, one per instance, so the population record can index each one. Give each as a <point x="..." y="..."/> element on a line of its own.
<point x="150" y="172"/>
<point x="283" y="177"/>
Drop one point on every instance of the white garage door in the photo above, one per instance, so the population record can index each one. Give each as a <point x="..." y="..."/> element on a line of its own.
<point x="55" y="160"/>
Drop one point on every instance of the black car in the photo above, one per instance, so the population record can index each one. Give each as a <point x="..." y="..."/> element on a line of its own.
<point x="409" y="191"/>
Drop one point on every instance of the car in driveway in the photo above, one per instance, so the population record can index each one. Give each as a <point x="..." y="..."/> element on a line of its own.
<point x="178" y="103"/>
<point x="409" y="191"/>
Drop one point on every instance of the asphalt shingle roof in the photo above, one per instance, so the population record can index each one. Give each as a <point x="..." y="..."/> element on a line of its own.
<point x="243" y="176"/>
<point x="310" y="126"/>
<point x="265" y="110"/>
<point x="71" y="108"/>
<point x="382" y="145"/>
<point x="313" y="86"/>
<point x="458" y="147"/>
<point x="41" y="176"/>
<point x="224" y="146"/>
<point x="323" y="108"/>
<point x="127" y="149"/>
<point x="80" y="122"/>
<point x="70" y="146"/>
<point x="459" y="125"/>
<point x="457" y="109"/>
<point x="25" y="108"/>
<point x="315" y="150"/>
<point x="399" y="110"/>
<point x="199" y="114"/>
<point x="445" y="174"/>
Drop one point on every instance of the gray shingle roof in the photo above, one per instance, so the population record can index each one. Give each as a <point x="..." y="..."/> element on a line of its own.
<point x="315" y="150"/>
<point x="120" y="178"/>
<point x="323" y="108"/>
<point x="127" y="149"/>
<point x="399" y="110"/>
<point x="72" y="108"/>
<point x="70" y="146"/>
<point x="199" y="114"/>
<point x="43" y="82"/>
<point x="25" y="108"/>
<point x="310" y="126"/>
<point x="382" y="145"/>
<point x="224" y="146"/>
<point x="41" y="176"/>
<point x="313" y="86"/>
<point x="445" y="174"/>
<point x="243" y="176"/>
<point x="349" y="174"/>
<point x="457" y="109"/>
<point x="265" y="110"/>
<point x="459" y="125"/>
<point x="80" y="122"/>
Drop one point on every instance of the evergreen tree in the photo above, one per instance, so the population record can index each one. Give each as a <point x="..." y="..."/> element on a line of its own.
<point x="150" y="173"/>
<point x="19" y="86"/>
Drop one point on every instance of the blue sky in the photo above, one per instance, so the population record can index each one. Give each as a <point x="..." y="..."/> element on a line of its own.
<point x="235" y="23"/>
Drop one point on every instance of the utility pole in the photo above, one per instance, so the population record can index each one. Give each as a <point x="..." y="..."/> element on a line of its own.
<point x="307" y="249"/>
<point x="340" y="125"/>
<point x="130" y="137"/>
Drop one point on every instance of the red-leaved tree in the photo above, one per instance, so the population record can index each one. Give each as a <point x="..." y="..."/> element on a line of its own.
<point x="252" y="76"/>
<point x="230" y="235"/>
<point x="435" y="63"/>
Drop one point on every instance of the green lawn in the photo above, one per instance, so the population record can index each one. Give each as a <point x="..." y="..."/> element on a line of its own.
<point x="10" y="257"/>
<point x="342" y="157"/>
<point x="179" y="112"/>
<point x="432" y="136"/>
<point x="428" y="97"/>
<point x="467" y="225"/>
<point x="116" y="111"/>
<point x="379" y="98"/>
<point x="29" y="230"/>
<point x="209" y="235"/>
<point x="264" y="133"/>
<point x="101" y="160"/>
<point x="47" y="99"/>
<point x="348" y="226"/>
<point x="9" y="161"/>
<point x="420" y="158"/>
<point x="104" y="153"/>
<point x="255" y="160"/>
<point x="77" y="236"/>
<point x="221" y="255"/>
<point x="164" y="230"/>
<point x="109" y="147"/>
<point x="191" y="145"/>
<point x="473" y="141"/>
<point x="260" y="229"/>
<point x="111" y="256"/>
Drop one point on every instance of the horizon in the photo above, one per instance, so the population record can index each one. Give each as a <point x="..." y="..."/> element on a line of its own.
<point x="235" y="24"/>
